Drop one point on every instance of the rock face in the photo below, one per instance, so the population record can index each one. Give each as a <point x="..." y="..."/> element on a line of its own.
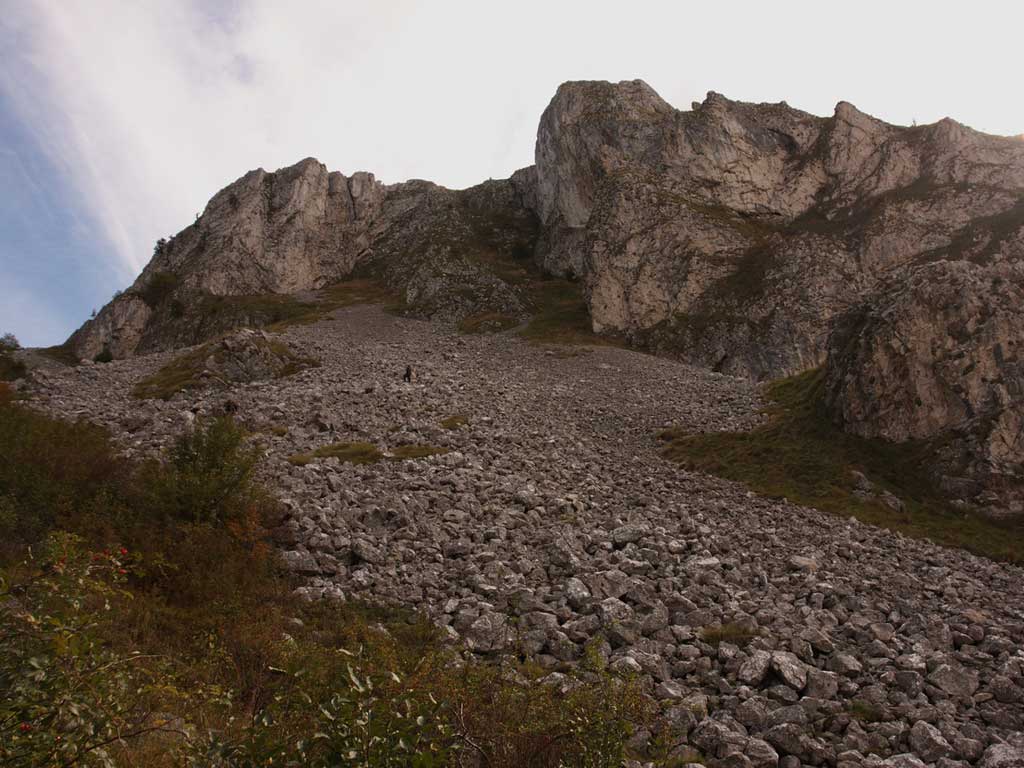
<point x="734" y="233"/>
<point x="731" y="235"/>
<point x="288" y="233"/>
<point x="938" y="356"/>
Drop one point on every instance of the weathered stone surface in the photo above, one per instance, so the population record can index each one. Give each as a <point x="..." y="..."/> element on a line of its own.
<point x="954" y="680"/>
<point x="734" y="233"/>
<point x="302" y="228"/>
<point x="928" y="743"/>
<point x="937" y="357"/>
<point x="1002" y="756"/>
<point x="754" y="669"/>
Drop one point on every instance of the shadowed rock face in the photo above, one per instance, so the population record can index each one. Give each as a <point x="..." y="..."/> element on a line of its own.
<point x="938" y="356"/>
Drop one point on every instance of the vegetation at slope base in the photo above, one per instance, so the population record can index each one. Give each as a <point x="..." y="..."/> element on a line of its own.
<point x="145" y="623"/>
<point x="800" y="455"/>
<point x="10" y="368"/>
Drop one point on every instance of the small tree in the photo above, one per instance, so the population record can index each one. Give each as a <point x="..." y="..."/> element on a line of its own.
<point x="9" y="343"/>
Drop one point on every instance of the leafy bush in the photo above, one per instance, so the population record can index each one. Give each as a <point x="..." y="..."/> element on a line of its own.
<point x="67" y="699"/>
<point x="9" y="343"/>
<point x="207" y="478"/>
<point x="159" y="288"/>
<point x="363" y="724"/>
<point x="10" y="369"/>
<point x="51" y="472"/>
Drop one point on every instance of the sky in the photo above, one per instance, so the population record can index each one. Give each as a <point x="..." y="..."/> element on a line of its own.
<point x="119" y="119"/>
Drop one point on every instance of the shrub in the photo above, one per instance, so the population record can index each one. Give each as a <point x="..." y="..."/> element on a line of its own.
<point x="362" y="724"/>
<point x="10" y="369"/>
<point x="68" y="699"/>
<point x="159" y="288"/>
<point x="207" y="479"/>
<point x="52" y="472"/>
<point x="509" y="724"/>
<point x="9" y="343"/>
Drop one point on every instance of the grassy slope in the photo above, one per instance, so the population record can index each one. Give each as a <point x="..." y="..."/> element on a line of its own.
<point x="799" y="454"/>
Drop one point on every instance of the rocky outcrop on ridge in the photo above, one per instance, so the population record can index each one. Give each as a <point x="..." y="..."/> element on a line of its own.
<point x="938" y="357"/>
<point x="272" y="237"/>
<point x="769" y="634"/>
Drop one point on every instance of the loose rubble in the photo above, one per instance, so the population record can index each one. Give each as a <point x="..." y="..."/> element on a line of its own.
<point x="770" y="634"/>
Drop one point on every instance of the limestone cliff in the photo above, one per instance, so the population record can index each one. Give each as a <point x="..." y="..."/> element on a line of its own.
<point x="273" y="238"/>
<point x="734" y="233"/>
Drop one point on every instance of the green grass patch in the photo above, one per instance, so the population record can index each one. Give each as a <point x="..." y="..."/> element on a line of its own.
<point x="560" y="315"/>
<point x="345" y="294"/>
<point x="800" y="455"/>
<point x="351" y="453"/>
<point x="404" y="452"/>
<point x="865" y="711"/>
<point x="265" y="309"/>
<point x="454" y="422"/>
<point x="178" y="375"/>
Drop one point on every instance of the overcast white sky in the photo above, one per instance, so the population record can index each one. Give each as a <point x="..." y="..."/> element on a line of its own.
<point x="120" y="118"/>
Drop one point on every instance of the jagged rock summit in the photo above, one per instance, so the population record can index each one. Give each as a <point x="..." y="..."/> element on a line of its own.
<point x="735" y="236"/>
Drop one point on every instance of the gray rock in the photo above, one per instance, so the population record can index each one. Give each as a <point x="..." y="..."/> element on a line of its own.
<point x="792" y="671"/>
<point x="754" y="669"/>
<point x="954" y="680"/>
<point x="491" y="632"/>
<point x="1002" y="756"/>
<point x="928" y="743"/>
